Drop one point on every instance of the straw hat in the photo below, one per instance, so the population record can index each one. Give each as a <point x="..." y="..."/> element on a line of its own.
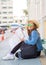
<point x="35" y="22"/>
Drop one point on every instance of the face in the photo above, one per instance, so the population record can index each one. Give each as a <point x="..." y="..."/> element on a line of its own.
<point x="31" y="26"/>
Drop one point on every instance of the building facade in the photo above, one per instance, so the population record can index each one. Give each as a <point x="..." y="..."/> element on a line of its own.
<point x="6" y="11"/>
<point x="37" y="10"/>
<point x="20" y="20"/>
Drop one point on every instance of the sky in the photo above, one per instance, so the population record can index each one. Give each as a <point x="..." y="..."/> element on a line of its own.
<point x="18" y="6"/>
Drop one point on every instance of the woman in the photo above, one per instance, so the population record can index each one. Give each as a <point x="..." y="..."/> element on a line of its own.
<point x="30" y="48"/>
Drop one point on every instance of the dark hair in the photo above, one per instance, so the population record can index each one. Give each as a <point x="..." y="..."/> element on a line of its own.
<point x="35" y="26"/>
<point x="29" y="31"/>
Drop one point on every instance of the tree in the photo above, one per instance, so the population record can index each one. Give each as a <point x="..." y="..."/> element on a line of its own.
<point x="25" y="11"/>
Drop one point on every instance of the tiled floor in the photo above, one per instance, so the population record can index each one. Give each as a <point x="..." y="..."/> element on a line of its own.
<point x="5" y="48"/>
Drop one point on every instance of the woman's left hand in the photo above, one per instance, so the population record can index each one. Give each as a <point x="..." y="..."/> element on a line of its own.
<point x="22" y="39"/>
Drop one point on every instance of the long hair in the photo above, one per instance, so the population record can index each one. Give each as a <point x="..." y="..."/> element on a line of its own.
<point x="35" y="26"/>
<point x="29" y="31"/>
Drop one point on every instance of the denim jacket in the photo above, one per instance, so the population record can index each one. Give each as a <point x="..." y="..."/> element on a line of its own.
<point x="34" y="38"/>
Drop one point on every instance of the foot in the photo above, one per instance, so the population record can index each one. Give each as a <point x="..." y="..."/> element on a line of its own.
<point x="17" y="55"/>
<point x="9" y="57"/>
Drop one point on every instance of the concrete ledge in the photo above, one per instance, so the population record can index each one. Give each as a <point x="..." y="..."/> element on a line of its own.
<point x="44" y="48"/>
<point x="42" y="59"/>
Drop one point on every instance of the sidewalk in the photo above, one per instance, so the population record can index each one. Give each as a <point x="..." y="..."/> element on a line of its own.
<point x="43" y="59"/>
<point x="5" y="48"/>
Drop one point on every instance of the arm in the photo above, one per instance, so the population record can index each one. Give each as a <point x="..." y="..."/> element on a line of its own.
<point x="34" y="37"/>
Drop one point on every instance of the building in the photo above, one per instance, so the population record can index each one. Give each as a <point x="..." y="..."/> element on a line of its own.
<point x="6" y="11"/>
<point x="20" y="20"/>
<point x="37" y="10"/>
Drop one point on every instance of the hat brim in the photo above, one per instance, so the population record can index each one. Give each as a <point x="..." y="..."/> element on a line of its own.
<point x="35" y="22"/>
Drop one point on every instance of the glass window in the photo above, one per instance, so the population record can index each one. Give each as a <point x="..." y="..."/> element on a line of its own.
<point x="0" y="21"/>
<point x="4" y="12"/>
<point x="20" y="20"/>
<point x="16" y="21"/>
<point x="10" y="21"/>
<point x="4" y="7"/>
<point x="4" y="0"/>
<point x="10" y="17"/>
<point x="10" y="7"/>
<point x="4" y="17"/>
<point x="4" y="21"/>
<point x="0" y="12"/>
<point x="0" y="16"/>
<point x="10" y="12"/>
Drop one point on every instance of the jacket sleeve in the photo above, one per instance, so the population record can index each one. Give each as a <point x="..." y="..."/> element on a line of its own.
<point x="34" y="38"/>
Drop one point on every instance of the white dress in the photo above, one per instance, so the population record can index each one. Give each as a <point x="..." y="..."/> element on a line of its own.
<point x="15" y="38"/>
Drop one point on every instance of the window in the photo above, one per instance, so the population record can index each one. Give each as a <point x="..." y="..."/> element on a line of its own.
<point x="10" y="7"/>
<point x="10" y="12"/>
<point x="0" y="12"/>
<point x="4" y="17"/>
<point x="4" y="12"/>
<point x="4" y="21"/>
<point x="0" y="16"/>
<point x="4" y="7"/>
<point x="10" y="21"/>
<point x="16" y="21"/>
<point x="4" y="0"/>
<point x="0" y="21"/>
<point x="10" y="17"/>
<point x="20" y="20"/>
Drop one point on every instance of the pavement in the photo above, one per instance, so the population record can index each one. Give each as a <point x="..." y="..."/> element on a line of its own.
<point x="5" y="48"/>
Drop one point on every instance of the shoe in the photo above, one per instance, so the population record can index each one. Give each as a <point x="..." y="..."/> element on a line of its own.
<point x="17" y="55"/>
<point x="9" y="57"/>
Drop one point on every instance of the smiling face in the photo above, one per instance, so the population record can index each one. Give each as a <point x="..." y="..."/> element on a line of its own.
<point x="31" y="26"/>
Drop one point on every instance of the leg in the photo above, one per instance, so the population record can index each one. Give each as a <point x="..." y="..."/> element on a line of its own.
<point x="37" y="54"/>
<point x="16" y="48"/>
<point x="10" y="56"/>
<point x="19" y="55"/>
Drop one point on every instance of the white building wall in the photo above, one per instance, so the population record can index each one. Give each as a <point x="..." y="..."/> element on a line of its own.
<point x="44" y="7"/>
<point x="31" y="9"/>
<point x="6" y="9"/>
<point x="35" y="11"/>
